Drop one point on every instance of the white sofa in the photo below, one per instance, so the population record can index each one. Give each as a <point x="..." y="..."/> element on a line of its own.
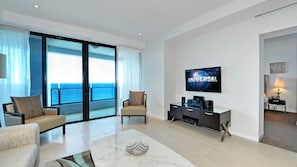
<point x="19" y="146"/>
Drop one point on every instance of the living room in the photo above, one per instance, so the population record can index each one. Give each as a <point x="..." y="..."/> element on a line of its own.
<point x="233" y="43"/>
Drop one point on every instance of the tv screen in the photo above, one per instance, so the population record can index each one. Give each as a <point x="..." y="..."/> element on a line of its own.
<point x="204" y="79"/>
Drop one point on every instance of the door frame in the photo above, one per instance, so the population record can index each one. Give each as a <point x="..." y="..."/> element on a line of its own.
<point x="85" y="71"/>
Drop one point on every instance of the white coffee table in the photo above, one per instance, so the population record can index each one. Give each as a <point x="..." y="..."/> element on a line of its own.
<point x="110" y="151"/>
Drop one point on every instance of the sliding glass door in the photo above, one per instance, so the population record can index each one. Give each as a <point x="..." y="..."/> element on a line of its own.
<point x="64" y="77"/>
<point x="77" y="76"/>
<point x="102" y="90"/>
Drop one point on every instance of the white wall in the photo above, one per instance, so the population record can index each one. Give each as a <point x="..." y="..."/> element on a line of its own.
<point x="236" y="49"/>
<point x="153" y="77"/>
<point x="237" y="54"/>
<point x="169" y="86"/>
<point x="282" y="49"/>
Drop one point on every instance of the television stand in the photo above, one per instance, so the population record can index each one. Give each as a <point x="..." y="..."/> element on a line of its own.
<point x="225" y="128"/>
<point x="219" y="119"/>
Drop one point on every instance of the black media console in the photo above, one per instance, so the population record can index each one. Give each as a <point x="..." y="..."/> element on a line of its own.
<point x="218" y="119"/>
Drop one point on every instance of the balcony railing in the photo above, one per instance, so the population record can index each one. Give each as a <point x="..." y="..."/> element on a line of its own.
<point x="72" y="93"/>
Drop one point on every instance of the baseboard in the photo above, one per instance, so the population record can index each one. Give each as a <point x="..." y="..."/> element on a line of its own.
<point x="288" y="111"/>
<point x="261" y="136"/>
<point x="249" y="137"/>
<point x="155" y="116"/>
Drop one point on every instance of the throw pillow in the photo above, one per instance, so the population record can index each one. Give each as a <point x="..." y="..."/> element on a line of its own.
<point x="30" y="106"/>
<point x="136" y="98"/>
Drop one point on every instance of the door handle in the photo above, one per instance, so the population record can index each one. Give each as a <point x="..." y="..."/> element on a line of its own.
<point x="207" y="113"/>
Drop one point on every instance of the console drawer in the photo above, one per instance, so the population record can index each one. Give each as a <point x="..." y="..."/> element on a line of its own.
<point x="175" y="111"/>
<point x="189" y="112"/>
<point x="210" y="120"/>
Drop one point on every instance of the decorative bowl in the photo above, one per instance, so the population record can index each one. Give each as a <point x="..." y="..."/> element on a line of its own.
<point x="137" y="148"/>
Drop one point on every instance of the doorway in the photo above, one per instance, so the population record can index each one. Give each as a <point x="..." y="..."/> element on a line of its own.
<point x="279" y="74"/>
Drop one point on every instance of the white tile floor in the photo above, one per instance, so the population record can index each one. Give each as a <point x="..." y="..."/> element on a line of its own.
<point x="199" y="145"/>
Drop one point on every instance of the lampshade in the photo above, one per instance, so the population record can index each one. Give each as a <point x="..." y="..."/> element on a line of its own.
<point x="2" y="65"/>
<point x="279" y="83"/>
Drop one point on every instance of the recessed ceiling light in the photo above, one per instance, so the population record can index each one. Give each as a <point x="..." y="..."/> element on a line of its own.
<point x="140" y="34"/>
<point x="36" y="6"/>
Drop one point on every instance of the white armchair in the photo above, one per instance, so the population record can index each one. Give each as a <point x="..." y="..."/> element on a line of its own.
<point x="19" y="146"/>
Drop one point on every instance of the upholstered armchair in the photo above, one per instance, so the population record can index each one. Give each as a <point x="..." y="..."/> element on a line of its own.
<point x="135" y="105"/>
<point x="24" y="110"/>
<point x="19" y="146"/>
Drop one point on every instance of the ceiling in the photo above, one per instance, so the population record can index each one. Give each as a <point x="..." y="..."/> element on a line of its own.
<point x="126" y="18"/>
<point x="121" y="17"/>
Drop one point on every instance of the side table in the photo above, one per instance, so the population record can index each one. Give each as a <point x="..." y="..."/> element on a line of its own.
<point x="277" y="102"/>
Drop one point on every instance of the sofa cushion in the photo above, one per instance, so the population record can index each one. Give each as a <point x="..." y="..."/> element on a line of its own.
<point x="136" y="98"/>
<point x="24" y="156"/>
<point x="30" y="106"/>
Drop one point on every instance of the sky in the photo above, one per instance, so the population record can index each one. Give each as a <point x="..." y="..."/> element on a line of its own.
<point x="68" y="69"/>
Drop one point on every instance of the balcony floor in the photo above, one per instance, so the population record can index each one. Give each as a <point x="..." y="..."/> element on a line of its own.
<point x="93" y="114"/>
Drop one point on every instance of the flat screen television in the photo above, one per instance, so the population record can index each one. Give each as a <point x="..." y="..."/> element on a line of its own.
<point x="204" y="79"/>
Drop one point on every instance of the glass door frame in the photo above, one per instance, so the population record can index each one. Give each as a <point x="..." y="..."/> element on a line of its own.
<point x="85" y="72"/>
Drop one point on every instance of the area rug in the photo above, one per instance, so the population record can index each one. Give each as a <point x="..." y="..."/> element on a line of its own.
<point x="83" y="159"/>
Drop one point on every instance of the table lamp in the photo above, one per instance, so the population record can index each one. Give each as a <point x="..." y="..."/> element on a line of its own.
<point x="278" y="85"/>
<point x="2" y="65"/>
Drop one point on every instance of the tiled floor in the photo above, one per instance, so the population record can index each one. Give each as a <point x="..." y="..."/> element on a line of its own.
<point x="199" y="145"/>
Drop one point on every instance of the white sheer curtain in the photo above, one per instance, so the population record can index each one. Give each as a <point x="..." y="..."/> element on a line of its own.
<point x="14" y="43"/>
<point x="128" y="72"/>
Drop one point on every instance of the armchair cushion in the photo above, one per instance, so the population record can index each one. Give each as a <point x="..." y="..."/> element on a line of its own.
<point x="29" y="105"/>
<point x="47" y="122"/>
<point x="133" y="110"/>
<point x="136" y="98"/>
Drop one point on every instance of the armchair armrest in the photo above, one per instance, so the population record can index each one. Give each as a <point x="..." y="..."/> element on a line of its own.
<point x="19" y="135"/>
<point x="125" y="103"/>
<point x="51" y="110"/>
<point x="145" y="99"/>
<point x="14" y="118"/>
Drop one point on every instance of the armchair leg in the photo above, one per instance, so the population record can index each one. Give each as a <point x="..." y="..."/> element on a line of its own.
<point x="64" y="129"/>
